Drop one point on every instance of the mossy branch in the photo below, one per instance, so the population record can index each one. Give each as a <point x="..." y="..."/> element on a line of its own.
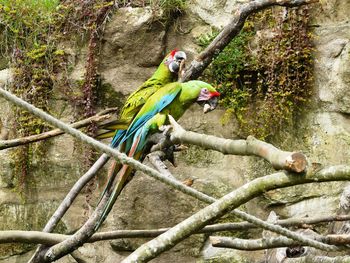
<point x="290" y="161"/>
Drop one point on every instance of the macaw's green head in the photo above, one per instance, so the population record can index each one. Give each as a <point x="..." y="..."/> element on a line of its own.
<point x="203" y="93"/>
<point x="174" y="59"/>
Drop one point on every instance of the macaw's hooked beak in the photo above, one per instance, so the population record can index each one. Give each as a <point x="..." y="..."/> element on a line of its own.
<point x="209" y="100"/>
<point x="210" y="104"/>
<point x="174" y="66"/>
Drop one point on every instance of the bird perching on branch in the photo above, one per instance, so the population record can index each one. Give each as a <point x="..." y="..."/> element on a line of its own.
<point x="173" y="99"/>
<point x="166" y="72"/>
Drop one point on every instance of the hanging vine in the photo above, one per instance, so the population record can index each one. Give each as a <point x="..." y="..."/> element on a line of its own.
<point x="265" y="73"/>
<point x="32" y="33"/>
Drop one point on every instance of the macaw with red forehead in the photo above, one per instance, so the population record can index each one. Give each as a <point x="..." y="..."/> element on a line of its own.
<point x="172" y="99"/>
<point x="166" y="72"/>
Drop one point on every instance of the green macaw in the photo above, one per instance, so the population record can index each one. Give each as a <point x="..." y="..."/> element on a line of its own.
<point x="166" y="72"/>
<point x="173" y="99"/>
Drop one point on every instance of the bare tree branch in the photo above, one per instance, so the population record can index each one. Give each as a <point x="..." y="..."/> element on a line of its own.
<point x="45" y="238"/>
<point x="4" y="144"/>
<point x="318" y="259"/>
<point x="231" y="30"/>
<point x="155" y="159"/>
<point x="274" y="242"/>
<point x="234" y="199"/>
<point x="290" y="161"/>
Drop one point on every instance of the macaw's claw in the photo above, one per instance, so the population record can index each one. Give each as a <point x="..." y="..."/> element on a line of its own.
<point x="180" y="147"/>
<point x="166" y="129"/>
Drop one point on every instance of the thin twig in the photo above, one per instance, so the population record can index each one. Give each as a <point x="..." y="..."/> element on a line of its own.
<point x="4" y="144"/>
<point x="45" y="238"/>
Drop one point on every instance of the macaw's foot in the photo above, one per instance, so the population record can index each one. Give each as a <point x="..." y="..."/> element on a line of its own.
<point x="180" y="147"/>
<point x="166" y="129"/>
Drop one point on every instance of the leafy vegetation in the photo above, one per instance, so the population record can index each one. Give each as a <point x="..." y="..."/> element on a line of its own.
<point x="164" y="11"/>
<point x="33" y="32"/>
<point x="264" y="74"/>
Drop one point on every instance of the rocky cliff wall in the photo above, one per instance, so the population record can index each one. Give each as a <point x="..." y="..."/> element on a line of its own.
<point x="133" y="45"/>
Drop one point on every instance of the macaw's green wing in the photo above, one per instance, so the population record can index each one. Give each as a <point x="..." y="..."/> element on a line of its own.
<point x="138" y="98"/>
<point x="155" y="104"/>
<point x="103" y="134"/>
<point x="166" y="73"/>
<point x="132" y="106"/>
<point x="114" y="124"/>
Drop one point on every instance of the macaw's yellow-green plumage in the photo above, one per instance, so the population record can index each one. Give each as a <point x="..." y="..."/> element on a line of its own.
<point x="166" y="72"/>
<point x="173" y="99"/>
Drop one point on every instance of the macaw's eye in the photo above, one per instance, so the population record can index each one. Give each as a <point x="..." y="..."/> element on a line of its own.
<point x="205" y="90"/>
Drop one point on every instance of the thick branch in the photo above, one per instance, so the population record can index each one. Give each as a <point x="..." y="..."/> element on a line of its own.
<point x="231" y="30"/>
<point x="291" y="161"/>
<point x="4" y="144"/>
<point x="232" y="200"/>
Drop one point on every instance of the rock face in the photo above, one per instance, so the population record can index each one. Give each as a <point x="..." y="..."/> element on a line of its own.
<point x="134" y="43"/>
